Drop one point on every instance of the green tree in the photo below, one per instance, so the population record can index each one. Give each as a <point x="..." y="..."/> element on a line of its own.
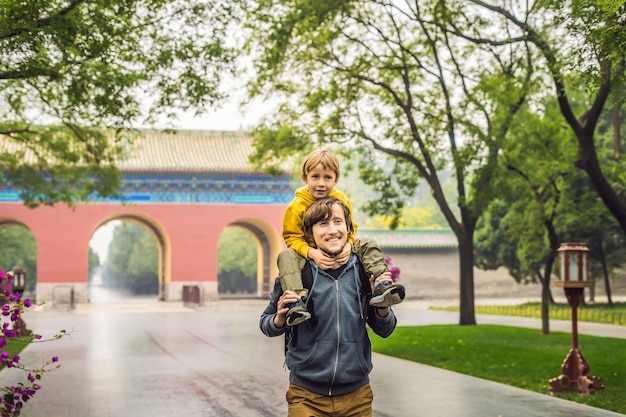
<point x="76" y="76"/>
<point x="18" y="249"/>
<point x="595" y="66"/>
<point x="236" y="262"/>
<point x="411" y="217"/>
<point x="589" y="221"/>
<point x="382" y="80"/>
<point x="133" y="259"/>
<point x="535" y="161"/>
<point x="494" y="245"/>
<point x="543" y="200"/>
<point x="94" y="261"/>
<point x="540" y="155"/>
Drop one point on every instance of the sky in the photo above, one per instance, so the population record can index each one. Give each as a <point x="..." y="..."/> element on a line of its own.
<point x="228" y="116"/>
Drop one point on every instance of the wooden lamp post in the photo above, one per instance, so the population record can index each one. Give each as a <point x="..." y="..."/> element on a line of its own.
<point x="574" y="278"/>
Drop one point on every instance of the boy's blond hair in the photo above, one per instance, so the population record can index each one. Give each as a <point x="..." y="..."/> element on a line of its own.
<point x="320" y="156"/>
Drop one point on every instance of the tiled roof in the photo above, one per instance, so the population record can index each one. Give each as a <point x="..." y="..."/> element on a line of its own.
<point x="185" y="150"/>
<point x="411" y="238"/>
<point x="190" y="150"/>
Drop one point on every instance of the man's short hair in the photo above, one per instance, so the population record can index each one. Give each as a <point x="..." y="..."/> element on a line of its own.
<point x="322" y="209"/>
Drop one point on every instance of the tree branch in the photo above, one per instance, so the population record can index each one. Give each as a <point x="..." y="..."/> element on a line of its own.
<point x="550" y="56"/>
<point x="43" y="22"/>
<point x="30" y="73"/>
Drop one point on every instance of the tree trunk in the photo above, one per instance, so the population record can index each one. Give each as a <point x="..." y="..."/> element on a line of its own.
<point x="547" y="273"/>
<point x="605" y="274"/>
<point x="588" y="161"/>
<point x="546" y="296"/>
<point x="592" y="291"/>
<point x="587" y="158"/>
<point x="466" y="258"/>
<point x="616" y="121"/>
<point x="539" y="277"/>
<point x="607" y="287"/>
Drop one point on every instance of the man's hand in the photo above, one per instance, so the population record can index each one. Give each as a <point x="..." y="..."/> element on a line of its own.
<point x="287" y="298"/>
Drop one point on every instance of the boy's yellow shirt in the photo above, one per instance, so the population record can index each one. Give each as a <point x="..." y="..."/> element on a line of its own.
<point x="293" y="219"/>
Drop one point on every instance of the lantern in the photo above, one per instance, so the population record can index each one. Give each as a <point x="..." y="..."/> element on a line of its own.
<point x="19" y="280"/>
<point x="573" y="266"/>
<point x="574" y="278"/>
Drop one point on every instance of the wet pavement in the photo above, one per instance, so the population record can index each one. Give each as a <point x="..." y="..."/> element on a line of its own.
<point x="149" y="358"/>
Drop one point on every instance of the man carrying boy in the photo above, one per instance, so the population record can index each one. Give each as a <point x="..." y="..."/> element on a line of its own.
<point x="320" y="174"/>
<point x="330" y="355"/>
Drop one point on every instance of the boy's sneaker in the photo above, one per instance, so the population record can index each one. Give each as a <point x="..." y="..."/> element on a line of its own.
<point x="297" y="313"/>
<point x="386" y="294"/>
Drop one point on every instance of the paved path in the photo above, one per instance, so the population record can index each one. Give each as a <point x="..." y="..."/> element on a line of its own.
<point x="161" y="359"/>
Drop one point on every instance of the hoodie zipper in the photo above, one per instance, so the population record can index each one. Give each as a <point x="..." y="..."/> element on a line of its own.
<point x="330" y="388"/>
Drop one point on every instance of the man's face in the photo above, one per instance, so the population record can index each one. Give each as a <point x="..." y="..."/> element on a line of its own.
<point x="331" y="235"/>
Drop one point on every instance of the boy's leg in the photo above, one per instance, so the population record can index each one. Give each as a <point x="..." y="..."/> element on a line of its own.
<point x="371" y="256"/>
<point x="290" y="266"/>
<point x="385" y="294"/>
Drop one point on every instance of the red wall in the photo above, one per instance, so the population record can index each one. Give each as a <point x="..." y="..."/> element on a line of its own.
<point x="63" y="234"/>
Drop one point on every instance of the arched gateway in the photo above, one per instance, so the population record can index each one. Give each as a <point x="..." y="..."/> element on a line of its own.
<point x="186" y="188"/>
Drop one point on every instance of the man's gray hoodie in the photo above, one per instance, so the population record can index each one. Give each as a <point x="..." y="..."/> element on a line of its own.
<point x="331" y="354"/>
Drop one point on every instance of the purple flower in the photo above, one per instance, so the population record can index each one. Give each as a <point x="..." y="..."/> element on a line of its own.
<point x="15" y="397"/>
<point x="395" y="271"/>
<point x="26" y="394"/>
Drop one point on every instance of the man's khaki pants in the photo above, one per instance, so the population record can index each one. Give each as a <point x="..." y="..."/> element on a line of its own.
<point x="304" y="403"/>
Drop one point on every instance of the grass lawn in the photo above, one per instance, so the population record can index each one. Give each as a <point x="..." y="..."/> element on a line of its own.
<point x="514" y="356"/>
<point x="14" y="347"/>
<point x="592" y="312"/>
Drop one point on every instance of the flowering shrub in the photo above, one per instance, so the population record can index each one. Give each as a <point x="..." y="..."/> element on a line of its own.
<point x="395" y="271"/>
<point x="15" y="396"/>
